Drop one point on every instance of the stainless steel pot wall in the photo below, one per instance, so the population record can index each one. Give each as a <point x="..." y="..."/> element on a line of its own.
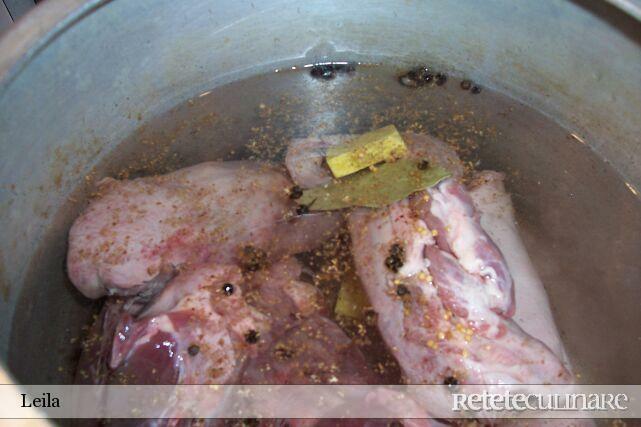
<point x="78" y="76"/>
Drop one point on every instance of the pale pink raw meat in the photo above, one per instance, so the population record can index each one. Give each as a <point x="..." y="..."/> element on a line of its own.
<point x="450" y="213"/>
<point x="451" y="322"/>
<point x="533" y="312"/>
<point x="135" y="234"/>
<point x="435" y="151"/>
<point x="279" y="292"/>
<point x="305" y="159"/>
<point x="444" y="327"/>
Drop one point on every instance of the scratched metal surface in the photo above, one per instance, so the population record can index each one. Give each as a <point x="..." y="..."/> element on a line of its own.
<point x="78" y="77"/>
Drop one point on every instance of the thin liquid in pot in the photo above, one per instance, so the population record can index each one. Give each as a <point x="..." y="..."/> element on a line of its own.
<point x="579" y="220"/>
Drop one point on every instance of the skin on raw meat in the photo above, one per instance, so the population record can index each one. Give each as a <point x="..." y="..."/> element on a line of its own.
<point x="444" y="326"/>
<point x="136" y="234"/>
<point x="533" y="313"/>
<point x="449" y="213"/>
<point x="450" y="322"/>
<point x="293" y="335"/>
<point x="193" y="334"/>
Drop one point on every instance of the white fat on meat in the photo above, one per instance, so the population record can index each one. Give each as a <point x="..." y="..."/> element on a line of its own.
<point x="454" y="321"/>
<point x="533" y="312"/>
<point x="444" y="326"/>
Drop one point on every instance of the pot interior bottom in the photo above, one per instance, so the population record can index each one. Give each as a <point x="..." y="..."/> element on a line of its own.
<point x="579" y="220"/>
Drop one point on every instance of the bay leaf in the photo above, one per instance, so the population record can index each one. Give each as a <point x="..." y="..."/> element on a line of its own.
<point x="374" y="188"/>
<point x="352" y="299"/>
<point x="384" y="144"/>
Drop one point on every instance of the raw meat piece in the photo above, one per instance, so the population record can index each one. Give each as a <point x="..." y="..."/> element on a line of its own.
<point x="444" y="326"/>
<point x="449" y="212"/>
<point x="136" y="234"/>
<point x="294" y="339"/>
<point x="194" y="334"/>
<point x="435" y="151"/>
<point x="279" y="293"/>
<point x="305" y="159"/>
<point x="312" y="351"/>
<point x="447" y="322"/>
<point x="533" y="312"/>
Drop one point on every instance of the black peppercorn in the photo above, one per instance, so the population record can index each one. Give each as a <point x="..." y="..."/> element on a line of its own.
<point x="228" y="289"/>
<point x="251" y="336"/>
<point x="466" y="85"/>
<point x="417" y="77"/>
<point x="396" y="249"/>
<point x="396" y="258"/>
<point x="475" y="89"/>
<point x="423" y="75"/>
<point x="302" y="209"/>
<point x="193" y="349"/>
<point x="440" y="79"/>
<point x="323" y="71"/>
<point x="401" y="290"/>
<point x="450" y="381"/>
<point x="423" y="164"/>
<point x="295" y="192"/>
<point x="329" y="71"/>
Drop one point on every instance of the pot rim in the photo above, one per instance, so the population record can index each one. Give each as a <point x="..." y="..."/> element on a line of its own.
<point x="630" y="7"/>
<point x="42" y="25"/>
<point x="34" y="31"/>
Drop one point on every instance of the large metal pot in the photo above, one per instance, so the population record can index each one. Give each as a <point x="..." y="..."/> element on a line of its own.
<point x="78" y="76"/>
